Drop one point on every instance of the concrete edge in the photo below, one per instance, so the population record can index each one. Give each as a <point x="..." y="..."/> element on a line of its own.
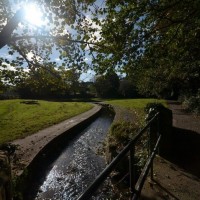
<point x="81" y="121"/>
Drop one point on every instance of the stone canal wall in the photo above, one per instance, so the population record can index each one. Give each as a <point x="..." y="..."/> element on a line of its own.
<point x="5" y="177"/>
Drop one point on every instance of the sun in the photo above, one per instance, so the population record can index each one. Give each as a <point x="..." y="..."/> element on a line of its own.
<point x="33" y="15"/>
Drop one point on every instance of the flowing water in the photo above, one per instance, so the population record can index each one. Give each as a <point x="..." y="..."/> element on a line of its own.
<point x="78" y="165"/>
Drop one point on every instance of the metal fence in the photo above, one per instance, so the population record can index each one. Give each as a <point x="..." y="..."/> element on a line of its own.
<point x="135" y="185"/>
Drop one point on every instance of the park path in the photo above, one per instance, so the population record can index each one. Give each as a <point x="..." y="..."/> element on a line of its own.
<point x="182" y="119"/>
<point x="177" y="177"/>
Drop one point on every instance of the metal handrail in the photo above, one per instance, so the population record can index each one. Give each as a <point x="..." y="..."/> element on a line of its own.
<point x="144" y="173"/>
<point x="129" y="147"/>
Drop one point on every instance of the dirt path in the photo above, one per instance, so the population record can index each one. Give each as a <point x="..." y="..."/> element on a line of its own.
<point x="178" y="176"/>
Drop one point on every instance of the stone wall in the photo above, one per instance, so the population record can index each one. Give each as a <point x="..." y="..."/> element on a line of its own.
<point x="5" y="177"/>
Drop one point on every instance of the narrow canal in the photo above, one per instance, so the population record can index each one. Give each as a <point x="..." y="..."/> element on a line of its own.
<point x="78" y="164"/>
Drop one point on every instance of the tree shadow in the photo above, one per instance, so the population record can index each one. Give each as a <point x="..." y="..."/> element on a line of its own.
<point x="157" y="186"/>
<point x="185" y="150"/>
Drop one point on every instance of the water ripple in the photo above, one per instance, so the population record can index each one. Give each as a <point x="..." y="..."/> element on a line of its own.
<point x="77" y="166"/>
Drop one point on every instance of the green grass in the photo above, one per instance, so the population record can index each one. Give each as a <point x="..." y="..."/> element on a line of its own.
<point x="18" y="120"/>
<point x="137" y="104"/>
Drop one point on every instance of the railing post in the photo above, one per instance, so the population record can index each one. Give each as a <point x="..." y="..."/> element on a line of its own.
<point x="151" y="129"/>
<point x="132" y="170"/>
<point x="158" y="130"/>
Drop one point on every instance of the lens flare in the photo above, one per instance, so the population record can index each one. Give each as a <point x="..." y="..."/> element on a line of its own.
<point x="34" y="15"/>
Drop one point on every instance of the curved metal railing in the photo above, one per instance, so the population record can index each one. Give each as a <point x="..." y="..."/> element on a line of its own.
<point x="135" y="185"/>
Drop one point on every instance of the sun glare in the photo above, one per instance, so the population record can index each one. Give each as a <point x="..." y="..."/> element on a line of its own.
<point x="34" y="15"/>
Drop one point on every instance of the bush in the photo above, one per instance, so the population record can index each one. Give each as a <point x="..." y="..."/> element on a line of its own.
<point x="192" y="103"/>
<point x="123" y="131"/>
<point x="151" y="109"/>
<point x="119" y="135"/>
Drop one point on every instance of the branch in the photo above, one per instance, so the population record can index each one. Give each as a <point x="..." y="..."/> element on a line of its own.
<point x="5" y="34"/>
<point x="43" y="37"/>
<point x="174" y="35"/>
<point x="30" y="63"/>
<point x="22" y="54"/>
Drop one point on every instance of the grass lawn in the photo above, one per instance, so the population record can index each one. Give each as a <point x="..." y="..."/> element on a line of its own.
<point x="135" y="103"/>
<point x="18" y="120"/>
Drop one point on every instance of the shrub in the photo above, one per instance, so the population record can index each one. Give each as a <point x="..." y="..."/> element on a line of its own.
<point x="192" y="102"/>
<point x="122" y="131"/>
<point x="151" y="109"/>
<point x="119" y="135"/>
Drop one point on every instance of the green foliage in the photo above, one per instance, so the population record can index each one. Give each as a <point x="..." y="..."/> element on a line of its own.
<point x="107" y="85"/>
<point x="51" y="83"/>
<point x="127" y="89"/>
<point x="137" y="104"/>
<point x="18" y="120"/>
<point x="122" y="131"/>
<point x="156" y="43"/>
<point x="152" y="108"/>
<point x="193" y="103"/>
<point x="41" y="41"/>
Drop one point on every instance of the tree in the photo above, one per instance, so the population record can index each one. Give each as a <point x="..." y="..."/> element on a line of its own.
<point x="107" y="85"/>
<point x="2" y="87"/>
<point x="134" y="37"/>
<point x="33" y="44"/>
<point x="155" y="42"/>
<point x="40" y="84"/>
<point x="127" y="89"/>
<point x="72" y="80"/>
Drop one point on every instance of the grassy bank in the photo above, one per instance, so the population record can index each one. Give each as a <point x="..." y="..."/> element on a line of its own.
<point x="18" y="119"/>
<point x="137" y="104"/>
<point x="129" y="119"/>
<point x="130" y="111"/>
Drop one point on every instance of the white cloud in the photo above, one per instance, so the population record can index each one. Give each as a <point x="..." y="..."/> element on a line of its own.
<point x="32" y="56"/>
<point x="87" y="76"/>
<point x="88" y="59"/>
<point x="26" y="69"/>
<point x="8" y="67"/>
<point x="11" y="68"/>
<point x="58" y="60"/>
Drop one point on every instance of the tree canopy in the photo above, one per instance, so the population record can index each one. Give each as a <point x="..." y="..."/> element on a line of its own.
<point x="64" y="21"/>
<point x="107" y="85"/>
<point x="155" y="43"/>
